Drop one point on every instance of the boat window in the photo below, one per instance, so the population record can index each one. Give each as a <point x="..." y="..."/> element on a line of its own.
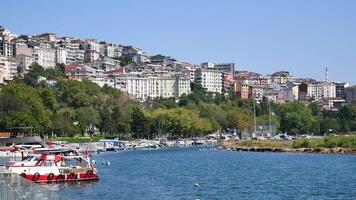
<point x="29" y="158"/>
<point x="49" y="163"/>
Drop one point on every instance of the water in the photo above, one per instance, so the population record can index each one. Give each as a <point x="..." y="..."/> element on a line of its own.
<point x="172" y="174"/>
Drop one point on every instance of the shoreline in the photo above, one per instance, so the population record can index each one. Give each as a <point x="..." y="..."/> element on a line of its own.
<point x="322" y="150"/>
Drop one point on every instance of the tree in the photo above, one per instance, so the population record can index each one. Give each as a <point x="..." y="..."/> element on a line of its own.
<point x="140" y="123"/>
<point x="64" y="123"/>
<point x="88" y="118"/>
<point x="125" y="60"/>
<point x="294" y="115"/>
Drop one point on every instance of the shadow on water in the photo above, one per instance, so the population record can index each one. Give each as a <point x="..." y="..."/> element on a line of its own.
<point x="76" y="185"/>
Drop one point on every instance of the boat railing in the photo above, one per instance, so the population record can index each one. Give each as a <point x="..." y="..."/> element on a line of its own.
<point x="75" y="170"/>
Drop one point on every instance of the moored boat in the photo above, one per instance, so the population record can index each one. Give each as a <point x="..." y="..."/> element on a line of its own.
<point x="56" y="168"/>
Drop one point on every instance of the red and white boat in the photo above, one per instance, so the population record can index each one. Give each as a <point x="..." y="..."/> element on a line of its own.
<point x="56" y="168"/>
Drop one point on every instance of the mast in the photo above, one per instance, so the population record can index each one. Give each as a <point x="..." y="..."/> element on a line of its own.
<point x="254" y="115"/>
<point x="269" y="113"/>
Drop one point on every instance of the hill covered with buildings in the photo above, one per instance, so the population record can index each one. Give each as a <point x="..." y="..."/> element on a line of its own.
<point x="79" y="86"/>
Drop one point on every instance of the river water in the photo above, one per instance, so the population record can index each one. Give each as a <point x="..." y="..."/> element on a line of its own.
<point x="174" y="173"/>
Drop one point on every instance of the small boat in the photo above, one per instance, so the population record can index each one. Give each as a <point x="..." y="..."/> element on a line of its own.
<point x="56" y="168"/>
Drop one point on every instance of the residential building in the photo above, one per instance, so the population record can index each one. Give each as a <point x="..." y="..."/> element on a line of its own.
<point x="91" y="45"/>
<point x="7" y="48"/>
<point x="350" y="94"/>
<point x="210" y="79"/>
<point x="280" y="77"/>
<point x="329" y="89"/>
<point x="257" y="92"/>
<point x="61" y="55"/>
<point x="79" y="72"/>
<point x="91" y="55"/>
<point x="242" y="90"/>
<point x="8" y="69"/>
<point x="24" y="63"/>
<point x="44" y="56"/>
<point x="144" y="87"/>
<point x="23" y="49"/>
<point x="74" y="53"/>
<point x="228" y="80"/>
<point x="291" y="93"/>
<point x="135" y="85"/>
<point x="6" y="35"/>
<point x="340" y="89"/>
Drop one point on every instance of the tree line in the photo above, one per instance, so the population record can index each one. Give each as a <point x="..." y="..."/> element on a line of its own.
<point x="69" y="108"/>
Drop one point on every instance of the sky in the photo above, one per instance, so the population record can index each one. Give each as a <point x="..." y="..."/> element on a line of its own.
<point x="300" y="36"/>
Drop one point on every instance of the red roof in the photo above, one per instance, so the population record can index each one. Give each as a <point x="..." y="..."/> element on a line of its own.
<point x="119" y="70"/>
<point x="69" y="68"/>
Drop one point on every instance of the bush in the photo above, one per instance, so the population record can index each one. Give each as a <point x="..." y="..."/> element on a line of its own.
<point x="301" y="143"/>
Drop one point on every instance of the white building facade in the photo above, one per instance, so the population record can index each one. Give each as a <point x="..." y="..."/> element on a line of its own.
<point x="46" y="57"/>
<point x="210" y="79"/>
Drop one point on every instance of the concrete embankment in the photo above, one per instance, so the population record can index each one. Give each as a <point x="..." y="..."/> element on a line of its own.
<point x="238" y="147"/>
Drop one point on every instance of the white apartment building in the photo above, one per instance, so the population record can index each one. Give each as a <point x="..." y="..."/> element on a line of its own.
<point x="136" y="86"/>
<point x="145" y="87"/>
<point x="291" y="93"/>
<point x="210" y="79"/>
<point x="91" y="55"/>
<point x="314" y="91"/>
<point x="321" y="90"/>
<point x="183" y="86"/>
<point x="328" y="89"/>
<point x="46" y="57"/>
<point x="7" y="49"/>
<point x="74" y="53"/>
<point x="162" y="87"/>
<point x="61" y="55"/>
<point x="8" y="69"/>
<point x="107" y="50"/>
<point x="92" y="45"/>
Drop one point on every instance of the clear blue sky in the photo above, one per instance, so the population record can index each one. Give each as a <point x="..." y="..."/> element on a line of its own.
<point x="302" y="36"/>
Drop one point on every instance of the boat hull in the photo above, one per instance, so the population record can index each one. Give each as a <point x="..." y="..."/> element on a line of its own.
<point x="47" y="178"/>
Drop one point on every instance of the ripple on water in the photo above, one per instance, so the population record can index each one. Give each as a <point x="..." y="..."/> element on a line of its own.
<point x="172" y="174"/>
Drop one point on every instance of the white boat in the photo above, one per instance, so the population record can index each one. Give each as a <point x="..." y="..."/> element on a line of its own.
<point x="56" y="168"/>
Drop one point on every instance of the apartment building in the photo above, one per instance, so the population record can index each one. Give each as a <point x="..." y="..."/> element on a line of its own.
<point x="8" y="69"/>
<point x="144" y="87"/>
<point x="73" y="53"/>
<point x="242" y="90"/>
<point x="210" y="79"/>
<point x="7" y="48"/>
<point x="44" y="56"/>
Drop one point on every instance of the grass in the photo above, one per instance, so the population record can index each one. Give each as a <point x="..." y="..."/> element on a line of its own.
<point x="265" y="144"/>
<point x="327" y="142"/>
